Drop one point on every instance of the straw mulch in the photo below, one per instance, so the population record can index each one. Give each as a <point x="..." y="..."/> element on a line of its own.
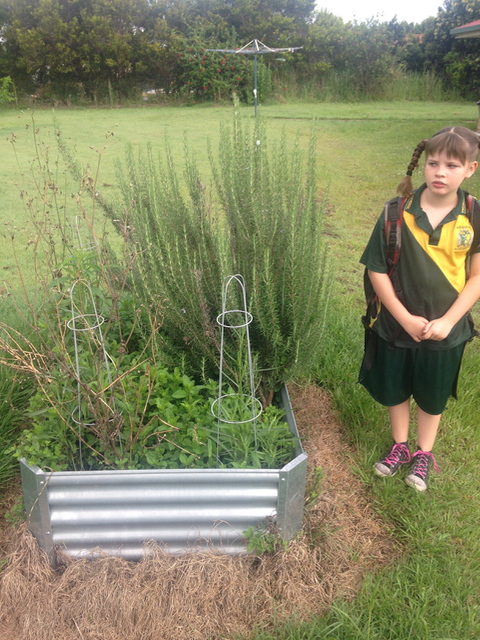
<point x="204" y="596"/>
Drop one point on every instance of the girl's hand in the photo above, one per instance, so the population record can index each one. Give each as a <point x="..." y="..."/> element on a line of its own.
<point x="415" y="327"/>
<point x="437" y="329"/>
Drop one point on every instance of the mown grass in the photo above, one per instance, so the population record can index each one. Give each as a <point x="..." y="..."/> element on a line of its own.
<point x="363" y="151"/>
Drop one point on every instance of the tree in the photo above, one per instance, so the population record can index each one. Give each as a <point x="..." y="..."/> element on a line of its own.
<point x="324" y="45"/>
<point x="62" y="45"/>
<point x="457" y="61"/>
<point x="210" y="74"/>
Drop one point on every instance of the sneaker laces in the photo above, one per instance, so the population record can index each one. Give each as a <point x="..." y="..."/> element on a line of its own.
<point x="420" y="467"/>
<point x="395" y="455"/>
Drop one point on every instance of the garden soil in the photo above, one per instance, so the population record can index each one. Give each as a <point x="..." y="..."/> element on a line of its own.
<point x="205" y="596"/>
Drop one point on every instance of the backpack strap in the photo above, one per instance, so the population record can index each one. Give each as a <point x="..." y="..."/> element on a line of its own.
<point x="393" y="235"/>
<point x="473" y="215"/>
<point x="393" y="216"/>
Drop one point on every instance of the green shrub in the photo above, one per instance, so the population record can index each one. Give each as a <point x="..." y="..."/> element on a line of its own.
<point x="266" y="226"/>
<point x="163" y="421"/>
<point x="264" y="83"/>
<point x="6" y="90"/>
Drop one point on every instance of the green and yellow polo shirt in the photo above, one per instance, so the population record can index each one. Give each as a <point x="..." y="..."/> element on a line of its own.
<point x="431" y="268"/>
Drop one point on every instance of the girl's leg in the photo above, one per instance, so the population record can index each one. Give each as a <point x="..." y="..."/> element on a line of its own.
<point x="400" y="421"/>
<point x="399" y="453"/>
<point x="427" y="429"/>
<point x="423" y="458"/>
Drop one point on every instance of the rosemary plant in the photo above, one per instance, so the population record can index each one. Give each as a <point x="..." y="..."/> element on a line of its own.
<point x="264" y="223"/>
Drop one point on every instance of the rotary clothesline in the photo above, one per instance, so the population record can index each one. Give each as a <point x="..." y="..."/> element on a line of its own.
<point x="255" y="47"/>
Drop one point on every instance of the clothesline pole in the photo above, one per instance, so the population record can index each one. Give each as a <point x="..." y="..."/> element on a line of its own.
<point x="255" y="89"/>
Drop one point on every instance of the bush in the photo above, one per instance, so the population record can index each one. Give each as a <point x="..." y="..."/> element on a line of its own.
<point x="6" y="90"/>
<point x="267" y="228"/>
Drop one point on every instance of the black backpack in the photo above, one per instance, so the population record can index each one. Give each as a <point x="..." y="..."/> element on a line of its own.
<point x="393" y="215"/>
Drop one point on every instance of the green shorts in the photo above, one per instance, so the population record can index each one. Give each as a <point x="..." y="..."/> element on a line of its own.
<point x="394" y="375"/>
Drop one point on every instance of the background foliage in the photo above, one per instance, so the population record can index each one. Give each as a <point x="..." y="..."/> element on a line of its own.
<point x="97" y="51"/>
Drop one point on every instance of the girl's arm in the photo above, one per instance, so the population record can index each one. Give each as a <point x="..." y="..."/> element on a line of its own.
<point x="413" y="325"/>
<point x="440" y="328"/>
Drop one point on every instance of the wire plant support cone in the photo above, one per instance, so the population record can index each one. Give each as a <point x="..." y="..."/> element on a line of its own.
<point x="248" y="407"/>
<point x="90" y="326"/>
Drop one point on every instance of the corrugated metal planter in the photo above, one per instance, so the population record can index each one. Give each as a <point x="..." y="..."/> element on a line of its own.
<point x="182" y="509"/>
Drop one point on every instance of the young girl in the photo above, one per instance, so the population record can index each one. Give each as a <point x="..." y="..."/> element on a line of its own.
<point x="420" y="341"/>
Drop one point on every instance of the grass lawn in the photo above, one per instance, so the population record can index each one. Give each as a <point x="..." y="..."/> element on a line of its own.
<point x="433" y="593"/>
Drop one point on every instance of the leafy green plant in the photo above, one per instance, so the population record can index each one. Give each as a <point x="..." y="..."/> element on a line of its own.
<point x="265" y="538"/>
<point x="166" y="422"/>
<point x="14" y="397"/>
<point x="266" y="444"/>
<point x="6" y="90"/>
<point x="16" y="515"/>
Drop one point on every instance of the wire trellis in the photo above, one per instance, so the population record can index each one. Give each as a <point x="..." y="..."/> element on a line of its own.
<point x="87" y="324"/>
<point x="83" y="239"/>
<point x="236" y="320"/>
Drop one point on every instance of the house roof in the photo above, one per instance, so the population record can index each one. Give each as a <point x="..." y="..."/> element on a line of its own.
<point x="469" y="30"/>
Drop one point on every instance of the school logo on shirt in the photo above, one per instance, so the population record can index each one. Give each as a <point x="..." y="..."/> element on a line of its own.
<point x="464" y="238"/>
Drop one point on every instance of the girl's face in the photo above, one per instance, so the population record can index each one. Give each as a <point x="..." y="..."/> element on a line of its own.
<point x="444" y="175"/>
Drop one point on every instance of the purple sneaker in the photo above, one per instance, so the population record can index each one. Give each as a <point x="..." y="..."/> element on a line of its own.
<point x="389" y="466"/>
<point x="417" y="477"/>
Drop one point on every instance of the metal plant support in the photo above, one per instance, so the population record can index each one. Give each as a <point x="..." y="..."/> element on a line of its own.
<point x="87" y="323"/>
<point x="237" y="320"/>
<point x="255" y="47"/>
<point x="83" y="239"/>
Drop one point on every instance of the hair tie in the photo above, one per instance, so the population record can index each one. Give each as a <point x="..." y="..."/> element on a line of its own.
<point x="409" y="173"/>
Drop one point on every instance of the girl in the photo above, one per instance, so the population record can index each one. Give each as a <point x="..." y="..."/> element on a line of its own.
<point x="420" y="340"/>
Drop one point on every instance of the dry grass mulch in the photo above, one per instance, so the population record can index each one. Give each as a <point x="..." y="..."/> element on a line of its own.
<point x="205" y="596"/>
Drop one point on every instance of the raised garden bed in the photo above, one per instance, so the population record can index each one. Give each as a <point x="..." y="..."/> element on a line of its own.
<point x="118" y="512"/>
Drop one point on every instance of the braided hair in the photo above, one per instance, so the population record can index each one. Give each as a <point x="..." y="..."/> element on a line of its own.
<point x="457" y="142"/>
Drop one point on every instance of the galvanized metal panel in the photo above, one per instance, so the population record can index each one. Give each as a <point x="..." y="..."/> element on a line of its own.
<point x="291" y="495"/>
<point x="117" y="512"/>
<point x="36" y="506"/>
<point x="286" y="405"/>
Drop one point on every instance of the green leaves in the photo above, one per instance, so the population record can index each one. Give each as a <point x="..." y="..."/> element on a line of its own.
<point x="174" y="429"/>
<point x="265" y="538"/>
<point x="6" y="90"/>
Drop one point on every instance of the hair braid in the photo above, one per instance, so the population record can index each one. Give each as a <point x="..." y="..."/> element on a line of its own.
<point x="405" y="188"/>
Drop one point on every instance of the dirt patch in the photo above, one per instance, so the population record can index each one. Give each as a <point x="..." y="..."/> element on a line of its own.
<point x="204" y="596"/>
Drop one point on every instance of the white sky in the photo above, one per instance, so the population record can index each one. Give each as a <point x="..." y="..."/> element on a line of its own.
<point x="384" y="10"/>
